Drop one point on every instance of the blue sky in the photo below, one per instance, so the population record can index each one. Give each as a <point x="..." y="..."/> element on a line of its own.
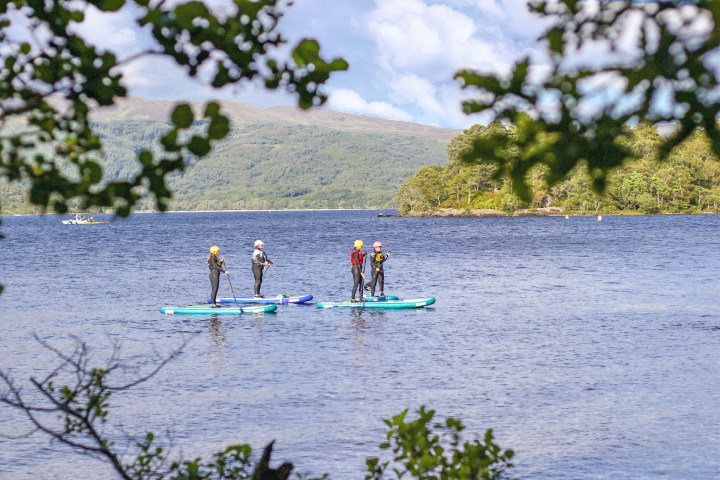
<point x="402" y="54"/>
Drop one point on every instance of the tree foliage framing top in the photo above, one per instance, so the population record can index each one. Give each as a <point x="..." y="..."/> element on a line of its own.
<point x="659" y="64"/>
<point x="53" y="63"/>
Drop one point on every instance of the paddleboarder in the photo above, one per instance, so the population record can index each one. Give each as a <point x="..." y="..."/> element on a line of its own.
<point x="357" y="262"/>
<point x="216" y="266"/>
<point x="260" y="263"/>
<point x="377" y="258"/>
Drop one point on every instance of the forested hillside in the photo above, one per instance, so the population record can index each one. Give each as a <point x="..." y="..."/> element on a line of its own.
<point x="688" y="181"/>
<point x="274" y="158"/>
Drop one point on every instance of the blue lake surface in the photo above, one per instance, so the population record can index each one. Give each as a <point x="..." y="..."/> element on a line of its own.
<point x="590" y="347"/>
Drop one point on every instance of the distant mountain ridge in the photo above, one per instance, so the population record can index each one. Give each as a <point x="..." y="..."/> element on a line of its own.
<point x="134" y="108"/>
<point x="273" y="158"/>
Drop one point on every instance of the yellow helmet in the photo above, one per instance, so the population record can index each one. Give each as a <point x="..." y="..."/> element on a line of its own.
<point x="358" y="244"/>
<point x="214" y="250"/>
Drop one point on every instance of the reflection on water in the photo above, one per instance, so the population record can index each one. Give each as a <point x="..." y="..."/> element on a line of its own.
<point x="590" y="347"/>
<point x="218" y="333"/>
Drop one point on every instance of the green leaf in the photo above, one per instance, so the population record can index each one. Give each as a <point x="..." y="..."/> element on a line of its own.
<point x="212" y="109"/>
<point x="110" y="5"/>
<point x="219" y="127"/>
<point x="306" y="52"/>
<point x="182" y="116"/>
<point x="199" y="146"/>
<point x="185" y="14"/>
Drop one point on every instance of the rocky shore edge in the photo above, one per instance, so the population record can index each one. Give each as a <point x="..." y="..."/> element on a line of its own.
<point x="452" y="212"/>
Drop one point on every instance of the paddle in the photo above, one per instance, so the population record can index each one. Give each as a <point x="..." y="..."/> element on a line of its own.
<point x="362" y="276"/>
<point x="230" y="283"/>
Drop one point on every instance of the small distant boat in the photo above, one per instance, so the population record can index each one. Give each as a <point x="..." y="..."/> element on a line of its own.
<point x="81" y="220"/>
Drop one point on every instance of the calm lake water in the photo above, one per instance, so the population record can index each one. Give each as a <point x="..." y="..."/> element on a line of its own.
<point x="590" y="347"/>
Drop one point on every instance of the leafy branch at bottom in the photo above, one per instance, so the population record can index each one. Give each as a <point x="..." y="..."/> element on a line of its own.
<point x="76" y="415"/>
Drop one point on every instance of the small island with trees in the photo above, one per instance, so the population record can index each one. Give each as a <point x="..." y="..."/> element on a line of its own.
<point x="685" y="181"/>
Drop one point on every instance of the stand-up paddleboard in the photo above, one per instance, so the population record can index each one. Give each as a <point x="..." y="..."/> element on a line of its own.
<point x="205" y="310"/>
<point x="380" y="299"/>
<point x="278" y="299"/>
<point x="409" y="303"/>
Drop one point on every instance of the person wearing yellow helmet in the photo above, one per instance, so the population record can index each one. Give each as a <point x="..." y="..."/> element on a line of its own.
<point x="260" y="263"/>
<point x="357" y="265"/>
<point x="377" y="258"/>
<point x="216" y="265"/>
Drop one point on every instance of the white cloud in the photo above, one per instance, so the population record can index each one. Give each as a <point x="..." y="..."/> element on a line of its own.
<point x="402" y="53"/>
<point x="411" y="88"/>
<point x="432" y="40"/>
<point x="349" y="101"/>
<point x="114" y="31"/>
<point x="420" y="44"/>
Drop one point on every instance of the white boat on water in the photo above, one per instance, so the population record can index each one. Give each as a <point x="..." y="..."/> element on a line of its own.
<point x="79" y="219"/>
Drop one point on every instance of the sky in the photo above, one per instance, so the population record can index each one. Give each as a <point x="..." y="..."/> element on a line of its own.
<point x="402" y="54"/>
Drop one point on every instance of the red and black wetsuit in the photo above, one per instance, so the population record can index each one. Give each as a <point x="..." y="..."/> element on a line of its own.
<point x="357" y="260"/>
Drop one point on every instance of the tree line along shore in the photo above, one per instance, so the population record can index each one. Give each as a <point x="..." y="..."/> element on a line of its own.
<point x="686" y="181"/>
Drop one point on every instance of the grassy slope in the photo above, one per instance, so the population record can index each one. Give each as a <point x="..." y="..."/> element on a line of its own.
<point x="276" y="158"/>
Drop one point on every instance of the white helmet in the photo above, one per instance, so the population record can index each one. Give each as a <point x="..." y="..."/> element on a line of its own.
<point x="258" y="243"/>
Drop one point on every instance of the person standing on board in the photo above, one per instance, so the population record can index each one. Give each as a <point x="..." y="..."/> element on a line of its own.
<point x="357" y="262"/>
<point x="215" y="264"/>
<point x="377" y="258"/>
<point x="260" y="263"/>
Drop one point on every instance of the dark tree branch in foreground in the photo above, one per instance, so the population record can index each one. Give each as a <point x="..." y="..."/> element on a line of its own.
<point x="53" y="78"/>
<point x="78" y="416"/>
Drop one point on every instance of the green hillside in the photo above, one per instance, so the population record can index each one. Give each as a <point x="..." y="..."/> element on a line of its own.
<point x="274" y="158"/>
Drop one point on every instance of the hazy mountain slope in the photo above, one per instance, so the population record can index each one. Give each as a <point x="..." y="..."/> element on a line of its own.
<point x="275" y="158"/>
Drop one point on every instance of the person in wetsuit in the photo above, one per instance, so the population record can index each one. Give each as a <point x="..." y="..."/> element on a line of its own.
<point x="216" y="266"/>
<point x="377" y="258"/>
<point x="260" y="263"/>
<point x="357" y="262"/>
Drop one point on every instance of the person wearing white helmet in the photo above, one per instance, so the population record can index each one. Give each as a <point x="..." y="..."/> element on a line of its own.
<point x="216" y="266"/>
<point x="377" y="258"/>
<point x="260" y="263"/>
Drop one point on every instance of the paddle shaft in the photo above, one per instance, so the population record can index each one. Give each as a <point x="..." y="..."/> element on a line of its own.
<point x="230" y="283"/>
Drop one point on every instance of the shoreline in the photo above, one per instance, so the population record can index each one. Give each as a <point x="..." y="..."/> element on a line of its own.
<point x="206" y="211"/>
<point x="538" y="212"/>
<point x="391" y="212"/>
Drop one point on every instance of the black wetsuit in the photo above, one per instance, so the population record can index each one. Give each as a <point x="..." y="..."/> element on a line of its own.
<point x="378" y="273"/>
<point x="216" y="268"/>
<point x="259" y="262"/>
<point x="357" y="260"/>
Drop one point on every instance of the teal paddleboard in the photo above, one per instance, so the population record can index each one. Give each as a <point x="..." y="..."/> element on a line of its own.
<point x="206" y="310"/>
<point x="409" y="303"/>
<point x="381" y="299"/>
